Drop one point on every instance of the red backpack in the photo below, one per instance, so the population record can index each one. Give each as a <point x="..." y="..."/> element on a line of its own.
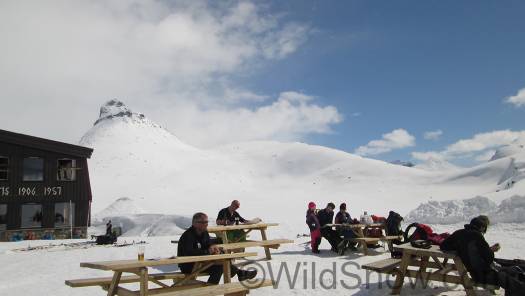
<point x="424" y="232"/>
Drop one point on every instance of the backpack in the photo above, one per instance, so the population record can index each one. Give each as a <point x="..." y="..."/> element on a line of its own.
<point x="421" y="232"/>
<point x="424" y="232"/>
<point x="393" y="224"/>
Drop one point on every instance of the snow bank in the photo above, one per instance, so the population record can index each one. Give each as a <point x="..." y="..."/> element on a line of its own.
<point x="511" y="210"/>
<point x="132" y="220"/>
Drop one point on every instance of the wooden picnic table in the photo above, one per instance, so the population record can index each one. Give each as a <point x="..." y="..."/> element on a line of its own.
<point x="185" y="282"/>
<point x="430" y="265"/>
<point x="360" y="230"/>
<point x="221" y="231"/>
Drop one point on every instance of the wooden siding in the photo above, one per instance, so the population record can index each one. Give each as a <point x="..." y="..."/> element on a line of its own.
<point x="78" y="191"/>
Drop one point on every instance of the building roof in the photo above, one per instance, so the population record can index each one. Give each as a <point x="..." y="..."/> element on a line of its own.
<point x="44" y="144"/>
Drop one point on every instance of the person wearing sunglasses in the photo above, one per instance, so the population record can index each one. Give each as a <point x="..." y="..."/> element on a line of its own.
<point x="196" y="242"/>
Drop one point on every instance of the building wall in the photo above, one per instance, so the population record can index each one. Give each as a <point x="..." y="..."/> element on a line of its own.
<point x="78" y="191"/>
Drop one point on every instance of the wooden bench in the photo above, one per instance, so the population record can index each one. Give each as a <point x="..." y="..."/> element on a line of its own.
<point x="106" y="281"/>
<point x="383" y="266"/>
<point x="185" y="284"/>
<point x="221" y="232"/>
<point x="231" y="289"/>
<point x="273" y="244"/>
<point x="436" y="270"/>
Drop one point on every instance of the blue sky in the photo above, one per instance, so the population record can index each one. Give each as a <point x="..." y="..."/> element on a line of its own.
<point x="367" y="77"/>
<point x="416" y="65"/>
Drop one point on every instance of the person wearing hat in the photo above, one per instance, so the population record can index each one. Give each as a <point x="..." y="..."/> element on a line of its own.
<point x="343" y="217"/>
<point x="315" y="227"/>
<point x="478" y="256"/>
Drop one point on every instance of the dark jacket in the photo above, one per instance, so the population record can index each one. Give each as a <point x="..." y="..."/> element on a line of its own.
<point x="325" y="217"/>
<point x="225" y="214"/>
<point x="312" y="221"/>
<point x="473" y="250"/>
<point x="343" y="218"/>
<point x="192" y="244"/>
<point x="393" y="224"/>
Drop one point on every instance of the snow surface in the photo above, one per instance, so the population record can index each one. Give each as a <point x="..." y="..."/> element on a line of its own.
<point x="42" y="272"/>
<point x="164" y="181"/>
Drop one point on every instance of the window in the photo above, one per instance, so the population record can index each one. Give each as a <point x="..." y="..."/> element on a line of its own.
<point x="66" y="170"/>
<point x="64" y="214"/>
<point x="33" y="169"/>
<point x="3" y="217"/>
<point x="4" y="168"/>
<point x="31" y="215"/>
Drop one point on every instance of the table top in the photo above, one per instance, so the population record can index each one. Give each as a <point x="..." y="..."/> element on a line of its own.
<point x="134" y="264"/>
<point x="220" y="228"/>
<point x="355" y="225"/>
<point x="432" y="251"/>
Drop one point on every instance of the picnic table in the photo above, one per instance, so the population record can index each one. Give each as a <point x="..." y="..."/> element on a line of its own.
<point x="430" y="265"/>
<point x="183" y="284"/>
<point x="232" y="246"/>
<point x="361" y="229"/>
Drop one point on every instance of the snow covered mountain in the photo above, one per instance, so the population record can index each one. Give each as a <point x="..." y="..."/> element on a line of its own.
<point x="137" y="158"/>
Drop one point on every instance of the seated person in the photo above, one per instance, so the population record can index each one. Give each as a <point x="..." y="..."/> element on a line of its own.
<point x="230" y="216"/>
<point x="196" y="242"/>
<point x="343" y="217"/>
<point x="326" y="216"/>
<point x="478" y="256"/>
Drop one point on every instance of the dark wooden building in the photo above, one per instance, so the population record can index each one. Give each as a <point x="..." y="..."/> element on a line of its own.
<point x="45" y="191"/>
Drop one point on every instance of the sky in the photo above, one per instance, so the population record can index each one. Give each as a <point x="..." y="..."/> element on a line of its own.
<point x="391" y="80"/>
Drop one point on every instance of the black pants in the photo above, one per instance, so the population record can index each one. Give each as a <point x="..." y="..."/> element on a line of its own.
<point x="505" y="278"/>
<point x="215" y="272"/>
<point x="331" y="236"/>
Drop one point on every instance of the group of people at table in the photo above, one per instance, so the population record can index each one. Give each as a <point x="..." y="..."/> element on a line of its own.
<point x="319" y="222"/>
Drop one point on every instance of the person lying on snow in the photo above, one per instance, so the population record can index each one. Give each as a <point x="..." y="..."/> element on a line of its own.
<point x="478" y="257"/>
<point x="196" y="242"/>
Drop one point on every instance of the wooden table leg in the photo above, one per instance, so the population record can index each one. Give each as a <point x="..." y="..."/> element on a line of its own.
<point x="422" y="271"/>
<point x="143" y="281"/>
<point x="224" y="237"/>
<point x="266" y="249"/>
<point x="464" y="277"/>
<point x="400" y="277"/>
<point x="114" y="283"/>
<point x="226" y="271"/>
<point x="365" y="248"/>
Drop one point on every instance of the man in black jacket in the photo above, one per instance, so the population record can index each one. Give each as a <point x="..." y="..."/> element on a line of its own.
<point x="196" y="242"/>
<point x="478" y="256"/>
<point x="474" y="250"/>
<point x="326" y="216"/>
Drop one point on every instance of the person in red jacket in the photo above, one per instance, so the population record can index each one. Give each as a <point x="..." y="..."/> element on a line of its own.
<point x="315" y="227"/>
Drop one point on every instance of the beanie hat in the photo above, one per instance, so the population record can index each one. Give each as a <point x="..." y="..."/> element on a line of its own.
<point x="479" y="223"/>
<point x="311" y="205"/>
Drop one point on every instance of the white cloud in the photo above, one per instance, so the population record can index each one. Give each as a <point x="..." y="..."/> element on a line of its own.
<point x="396" y="139"/>
<point x="517" y="100"/>
<point x="60" y="60"/>
<point x="478" y="147"/>
<point x="428" y="156"/>
<point x="290" y="117"/>
<point x="433" y="135"/>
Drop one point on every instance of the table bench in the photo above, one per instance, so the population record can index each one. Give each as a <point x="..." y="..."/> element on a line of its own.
<point x="361" y="239"/>
<point x="435" y="270"/>
<point x="185" y="284"/>
<point x="232" y="246"/>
